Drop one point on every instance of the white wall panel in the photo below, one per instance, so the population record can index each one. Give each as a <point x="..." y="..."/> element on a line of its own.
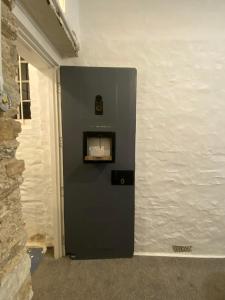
<point x="178" y="48"/>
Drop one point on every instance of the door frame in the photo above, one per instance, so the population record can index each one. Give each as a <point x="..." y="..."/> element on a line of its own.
<point x="31" y="41"/>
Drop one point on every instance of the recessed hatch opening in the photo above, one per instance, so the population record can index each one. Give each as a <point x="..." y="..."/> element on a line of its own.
<point x="98" y="147"/>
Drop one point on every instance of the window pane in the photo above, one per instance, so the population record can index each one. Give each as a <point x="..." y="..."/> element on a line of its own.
<point x="25" y="91"/>
<point x="24" y="71"/>
<point x="26" y="110"/>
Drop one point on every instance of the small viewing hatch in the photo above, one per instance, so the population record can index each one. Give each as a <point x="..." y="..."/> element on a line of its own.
<point x="98" y="147"/>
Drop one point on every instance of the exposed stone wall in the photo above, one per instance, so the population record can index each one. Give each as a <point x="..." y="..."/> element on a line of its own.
<point x="15" y="282"/>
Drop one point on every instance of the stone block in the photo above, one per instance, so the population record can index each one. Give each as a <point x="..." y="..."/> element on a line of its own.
<point x="9" y="129"/>
<point x="8" y="149"/>
<point x="15" y="282"/>
<point x="15" y="167"/>
<point x="25" y="292"/>
<point x="15" y="278"/>
<point x="8" y="21"/>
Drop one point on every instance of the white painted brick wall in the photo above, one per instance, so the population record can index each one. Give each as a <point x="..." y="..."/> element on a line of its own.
<point x="178" y="48"/>
<point x="36" y="191"/>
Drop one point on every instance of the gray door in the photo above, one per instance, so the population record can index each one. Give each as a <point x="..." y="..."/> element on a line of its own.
<point x="99" y="191"/>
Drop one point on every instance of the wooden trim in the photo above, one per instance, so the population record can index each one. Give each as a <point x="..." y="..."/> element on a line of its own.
<point x="56" y="154"/>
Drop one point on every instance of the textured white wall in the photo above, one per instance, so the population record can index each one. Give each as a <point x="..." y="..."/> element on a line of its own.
<point x="36" y="191"/>
<point x="178" y="48"/>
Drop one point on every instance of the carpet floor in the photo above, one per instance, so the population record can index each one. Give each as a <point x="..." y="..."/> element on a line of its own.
<point x="139" y="278"/>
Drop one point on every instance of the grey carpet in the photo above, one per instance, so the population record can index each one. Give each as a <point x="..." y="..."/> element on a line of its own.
<point x="140" y="278"/>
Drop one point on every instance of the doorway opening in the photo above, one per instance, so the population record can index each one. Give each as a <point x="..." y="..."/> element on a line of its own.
<point x="39" y="148"/>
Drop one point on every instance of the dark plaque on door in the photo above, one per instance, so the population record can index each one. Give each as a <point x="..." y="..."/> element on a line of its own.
<point x="98" y="105"/>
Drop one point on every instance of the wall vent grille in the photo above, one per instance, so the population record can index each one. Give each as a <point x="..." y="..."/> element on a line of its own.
<point x="182" y="248"/>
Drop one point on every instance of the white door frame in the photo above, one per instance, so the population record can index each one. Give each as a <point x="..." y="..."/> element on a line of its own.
<point x="57" y="163"/>
<point x="32" y="41"/>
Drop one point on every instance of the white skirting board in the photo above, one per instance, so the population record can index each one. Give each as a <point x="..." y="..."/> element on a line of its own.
<point x="177" y="255"/>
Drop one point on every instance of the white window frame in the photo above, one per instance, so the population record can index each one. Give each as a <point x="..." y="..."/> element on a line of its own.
<point x="20" y="81"/>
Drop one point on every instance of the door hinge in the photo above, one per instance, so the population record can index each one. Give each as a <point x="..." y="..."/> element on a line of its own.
<point x="60" y="141"/>
<point x="59" y="88"/>
<point x="62" y="191"/>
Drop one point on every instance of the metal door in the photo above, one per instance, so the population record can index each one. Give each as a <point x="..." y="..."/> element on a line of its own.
<point x="99" y="196"/>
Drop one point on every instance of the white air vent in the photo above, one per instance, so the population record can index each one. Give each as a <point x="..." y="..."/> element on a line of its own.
<point x="182" y="248"/>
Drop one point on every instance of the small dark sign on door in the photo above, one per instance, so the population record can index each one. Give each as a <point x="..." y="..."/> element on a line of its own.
<point x="98" y="105"/>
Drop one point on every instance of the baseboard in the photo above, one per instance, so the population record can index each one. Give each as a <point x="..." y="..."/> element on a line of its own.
<point x="187" y="255"/>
